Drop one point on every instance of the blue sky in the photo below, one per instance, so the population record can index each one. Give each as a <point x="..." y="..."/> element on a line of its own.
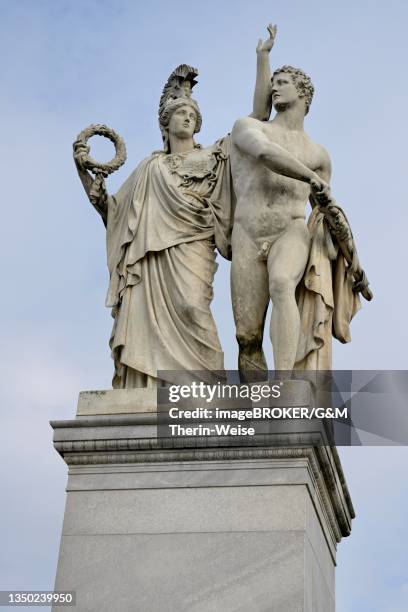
<point x="68" y="64"/>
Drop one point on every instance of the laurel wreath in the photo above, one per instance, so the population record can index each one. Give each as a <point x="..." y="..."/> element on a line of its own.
<point x="89" y="162"/>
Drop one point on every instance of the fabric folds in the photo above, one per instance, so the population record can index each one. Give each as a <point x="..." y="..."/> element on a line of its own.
<point x="325" y="297"/>
<point x="161" y="237"/>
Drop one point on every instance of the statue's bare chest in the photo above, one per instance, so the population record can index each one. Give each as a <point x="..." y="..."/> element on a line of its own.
<point x="294" y="142"/>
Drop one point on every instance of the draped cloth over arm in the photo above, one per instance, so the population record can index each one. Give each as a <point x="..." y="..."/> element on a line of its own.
<point x="325" y="297"/>
<point x="160" y="245"/>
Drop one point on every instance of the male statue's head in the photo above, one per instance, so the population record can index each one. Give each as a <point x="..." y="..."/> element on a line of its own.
<point x="289" y="86"/>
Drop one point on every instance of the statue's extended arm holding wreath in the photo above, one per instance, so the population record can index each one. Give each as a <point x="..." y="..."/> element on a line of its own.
<point x="95" y="187"/>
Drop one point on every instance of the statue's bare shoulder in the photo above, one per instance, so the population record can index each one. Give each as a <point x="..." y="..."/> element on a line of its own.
<point x="245" y="126"/>
<point x="252" y="136"/>
<point x="324" y="167"/>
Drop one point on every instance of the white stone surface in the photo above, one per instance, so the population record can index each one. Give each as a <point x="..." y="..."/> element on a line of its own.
<point x="202" y="525"/>
<point x="189" y="572"/>
<point x="200" y="537"/>
<point x="117" y="401"/>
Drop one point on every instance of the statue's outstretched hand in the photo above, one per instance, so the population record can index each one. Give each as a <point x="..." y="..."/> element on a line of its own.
<point x="81" y="150"/>
<point x="266" y="46"/>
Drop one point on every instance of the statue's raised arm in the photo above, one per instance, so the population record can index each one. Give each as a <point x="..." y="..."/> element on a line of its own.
<point x="262" y="105"/>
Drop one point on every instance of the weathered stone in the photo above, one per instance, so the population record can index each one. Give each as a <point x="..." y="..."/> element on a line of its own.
<point x="117" y="401"/>
<point x="155" y="524"/>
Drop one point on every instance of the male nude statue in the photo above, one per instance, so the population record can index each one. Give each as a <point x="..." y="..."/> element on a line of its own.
<point x="276" y="168"/>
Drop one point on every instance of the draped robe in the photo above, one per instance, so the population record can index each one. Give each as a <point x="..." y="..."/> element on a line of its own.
<point x="325" y="298"/>
<point x="162" y="229"/>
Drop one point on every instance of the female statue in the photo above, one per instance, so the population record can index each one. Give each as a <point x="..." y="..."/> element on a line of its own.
<point x="163" y="227"/>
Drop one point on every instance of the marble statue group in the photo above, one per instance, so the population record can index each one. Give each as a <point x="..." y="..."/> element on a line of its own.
<point x="245" y="196"/>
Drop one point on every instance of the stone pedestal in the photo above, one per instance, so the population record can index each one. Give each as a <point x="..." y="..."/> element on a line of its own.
<point x="175" y="525"/>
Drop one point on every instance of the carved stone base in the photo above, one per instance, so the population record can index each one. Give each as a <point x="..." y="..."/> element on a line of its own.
<point x="151" y="527"/>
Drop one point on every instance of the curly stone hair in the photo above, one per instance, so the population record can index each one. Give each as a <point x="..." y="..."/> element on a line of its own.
<point x="302" y="82"/>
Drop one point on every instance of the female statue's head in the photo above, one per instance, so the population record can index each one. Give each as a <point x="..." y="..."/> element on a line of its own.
<point x="178" y="112"/>
<point x="181" y="116"/>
